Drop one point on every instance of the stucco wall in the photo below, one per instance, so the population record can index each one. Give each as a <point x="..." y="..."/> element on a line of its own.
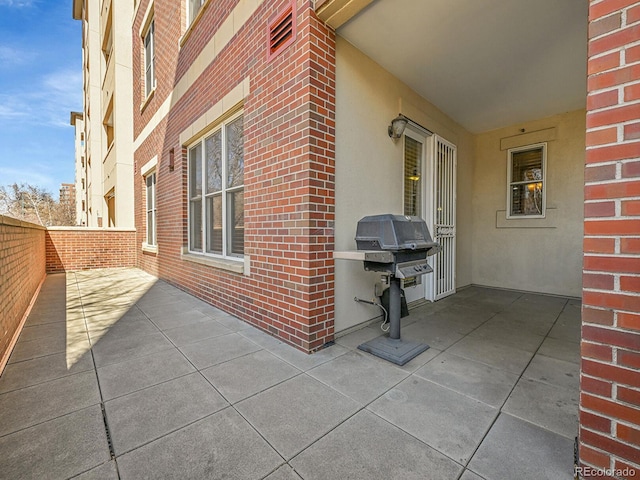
<point x="369" y="168"/>
<point x="541" y="255"/>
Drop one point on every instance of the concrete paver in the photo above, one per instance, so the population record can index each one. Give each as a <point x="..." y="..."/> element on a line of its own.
<point x="185" y="390"/>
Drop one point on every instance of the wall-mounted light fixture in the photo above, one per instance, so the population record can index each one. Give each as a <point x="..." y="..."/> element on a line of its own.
<point x="398" y="124"/>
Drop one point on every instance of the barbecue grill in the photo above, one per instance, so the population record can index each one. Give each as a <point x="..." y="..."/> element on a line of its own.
<point x="397" y="246"/>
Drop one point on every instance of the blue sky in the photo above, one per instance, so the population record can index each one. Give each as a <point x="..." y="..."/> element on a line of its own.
<point x="40" y="84"/>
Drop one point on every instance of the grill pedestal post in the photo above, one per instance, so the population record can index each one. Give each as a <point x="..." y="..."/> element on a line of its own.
<point x="392" y="348"/>
<point x="395" y="307"/>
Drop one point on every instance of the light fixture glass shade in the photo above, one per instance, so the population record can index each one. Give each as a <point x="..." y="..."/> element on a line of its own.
<point x="398" y="124"/>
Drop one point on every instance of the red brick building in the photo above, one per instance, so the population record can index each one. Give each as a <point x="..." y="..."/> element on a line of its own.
<point x="215" y="78"/>
<point x="260" y="138"/>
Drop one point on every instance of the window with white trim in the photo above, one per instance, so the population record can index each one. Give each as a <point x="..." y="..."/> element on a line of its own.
<point x="150" y="181"/>
<point x="149" y="59"/>
<point x="216" y="191"/>
<point x="194" y="8"/>
<point x="526" y="181"/>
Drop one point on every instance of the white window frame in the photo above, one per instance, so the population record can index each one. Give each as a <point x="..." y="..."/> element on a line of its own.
<point x="542" y="181"/>
<point x="153" y="240"/>
<point x="226" y="233"/>
<point x="149" y="58"/>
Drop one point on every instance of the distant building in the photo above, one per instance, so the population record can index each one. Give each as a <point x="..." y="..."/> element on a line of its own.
<point x="107" y="121"/>
<point x="68" y="194"/>
<point x="67" y="204"/>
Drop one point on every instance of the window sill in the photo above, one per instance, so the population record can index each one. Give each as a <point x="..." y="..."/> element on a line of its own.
<point x="193" y="24"/>
<point x="235" y="266"/>
<point x="149" y="248"/>
<point x="108" y="151"/>
<point x="147" y="100"/>
<point x="550" y="220"/>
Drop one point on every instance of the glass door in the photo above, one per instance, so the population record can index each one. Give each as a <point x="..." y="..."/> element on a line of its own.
<point x="414" y="197"/>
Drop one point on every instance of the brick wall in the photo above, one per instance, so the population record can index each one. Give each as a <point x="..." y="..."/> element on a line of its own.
<point x="610" y="380"/>
<point x="81" y="248"/>
<point x="289" y="166"/>
<point x="22" y="261"/>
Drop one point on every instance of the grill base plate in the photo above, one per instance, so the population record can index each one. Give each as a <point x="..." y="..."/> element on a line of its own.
<point x="397" y="351"/>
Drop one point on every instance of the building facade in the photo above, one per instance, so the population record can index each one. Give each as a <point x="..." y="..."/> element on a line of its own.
<point x="234" y="158"/>
<point x="259" y="138"/>
<point x="80" y="183"/>
<point x="107" y="117"/>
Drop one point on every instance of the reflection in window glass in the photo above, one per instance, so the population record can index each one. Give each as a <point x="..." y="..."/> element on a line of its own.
<point x="412" y="177"/>
<point x="527" y="181"/>
<point x="151" y="208"/>
<point x="221" y="157"/>
<point x="235" y="153"/>
<point x="235" y="204"/>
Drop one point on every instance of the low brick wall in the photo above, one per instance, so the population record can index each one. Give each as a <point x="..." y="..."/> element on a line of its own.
<point x="22" y="270"/>
<point x="82" y="248"/>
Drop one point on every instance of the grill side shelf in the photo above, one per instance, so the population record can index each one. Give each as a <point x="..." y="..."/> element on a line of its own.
<point x="378" y="256"/>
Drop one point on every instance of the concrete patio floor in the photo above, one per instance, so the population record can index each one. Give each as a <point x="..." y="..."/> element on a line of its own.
<point x="119" y="375"/>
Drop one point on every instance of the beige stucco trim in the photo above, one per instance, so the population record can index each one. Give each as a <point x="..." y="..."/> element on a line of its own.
<point x="148" y="99"/>
<point x="232" y="25"/>
<point x="226" y="107"/>
<point x="149" y="248"/>
<point x="235" y="266"/>
<point x="149" y="166"/>
<point x="529" y="138"/>
<point x="146" y="20"/>
<point x="14" y="222"/>
<point x="337" y="12"/>
<point x="191" y="26"/>
<point x="550" y="220"/>
<point x="91" y="229"/>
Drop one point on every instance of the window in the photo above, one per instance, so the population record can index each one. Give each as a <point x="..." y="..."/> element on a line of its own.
<point x="149" y="59"/>
<point x="526" y="181"/>
<point x="151" y="209"/>
<point x="194" y="8"/>
<point x="412" y="176"/>
<point x="216" y="191"/>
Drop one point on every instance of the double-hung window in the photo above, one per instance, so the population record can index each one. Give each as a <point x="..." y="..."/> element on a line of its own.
<point x="216" y="191"/>
<point x="149" y="59"/>
<point x="526" y="184"/>
<point x="150" y="181"/>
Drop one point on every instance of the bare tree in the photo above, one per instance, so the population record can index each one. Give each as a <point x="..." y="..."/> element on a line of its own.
<point x="33" y="204"/>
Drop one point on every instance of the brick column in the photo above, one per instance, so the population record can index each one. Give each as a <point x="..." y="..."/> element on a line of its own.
<point x="610" y="379"/>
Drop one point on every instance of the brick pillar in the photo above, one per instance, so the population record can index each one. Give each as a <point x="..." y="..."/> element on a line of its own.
<point x="289" y="152"/>
<point x="610" y="379"/>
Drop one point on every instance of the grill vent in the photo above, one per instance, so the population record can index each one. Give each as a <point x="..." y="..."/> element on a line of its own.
<point x="282" y="31"/>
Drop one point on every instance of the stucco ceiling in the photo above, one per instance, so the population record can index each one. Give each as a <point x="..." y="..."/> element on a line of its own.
<point x="485" y="63"/>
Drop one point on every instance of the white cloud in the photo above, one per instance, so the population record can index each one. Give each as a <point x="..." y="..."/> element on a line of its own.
<point x="10" y="56"/>
<point x="48" y="102"/>
<point x="16" y="3"/>
<point x="30" y="176"/>
<point x="8" y="111"/>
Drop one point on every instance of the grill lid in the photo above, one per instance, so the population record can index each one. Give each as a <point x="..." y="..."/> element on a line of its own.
<point x="393" y="232"/>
